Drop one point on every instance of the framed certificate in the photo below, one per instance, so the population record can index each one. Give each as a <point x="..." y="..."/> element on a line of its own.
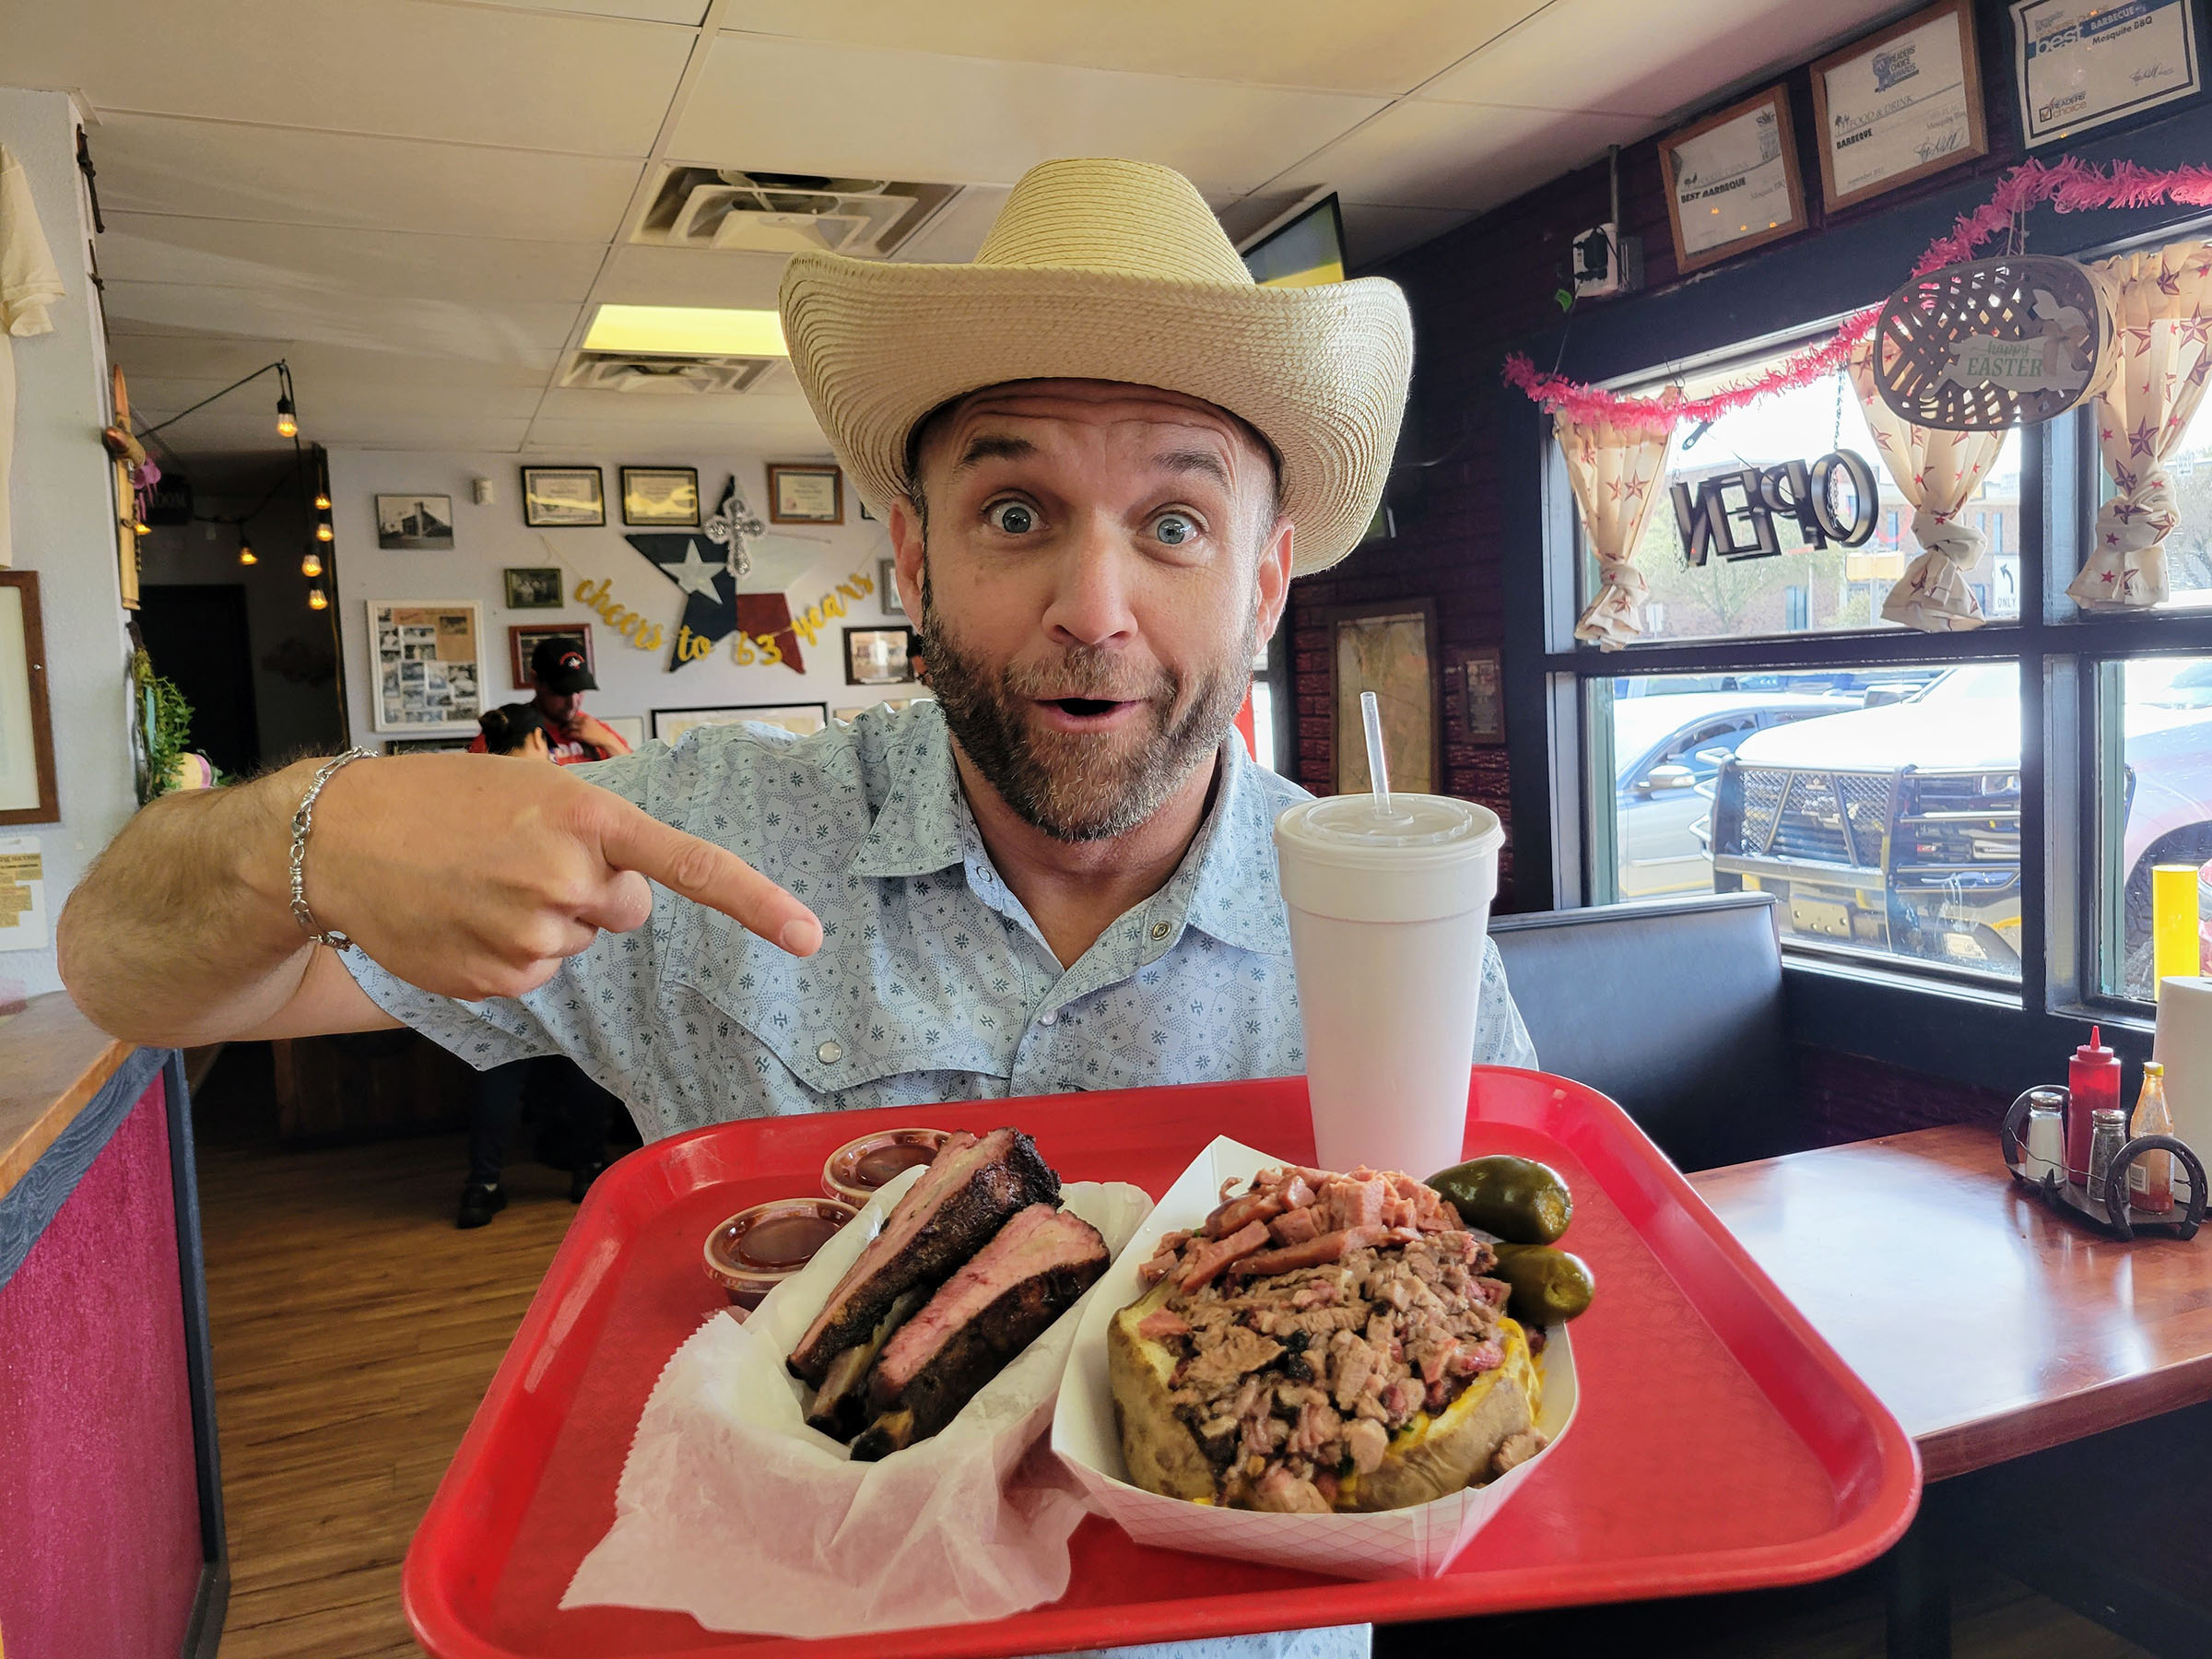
<point x="1899" y="105"/>
<point x="810" y="494"/>
<point x="563" y="496"/>
<point x="1732" y="181"/>
<point x="2083" y="63"/>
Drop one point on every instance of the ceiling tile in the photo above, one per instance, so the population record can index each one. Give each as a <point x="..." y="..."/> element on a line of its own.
<point x="629" y="409"/>
<point x="792" y="106"/>
<point x="749" y="426"/>
<point x="1658" y="60"/>
<point x="484" y="330"/>
<point x="647" y="276"/>
<point x="221" y="170"/>
<point x="317" y="260"/>
<point x="1459" y="155"/>
<point x="536" y="81"/>
<point x="648" y="11"/>
<point x="434" y="433"/>
<point x="320" y="403"/>
<point x="322" y="372"/>
<point x="1381" y="48"/>
<point x="958" y="230"/>
<point x="1373" y="233"/>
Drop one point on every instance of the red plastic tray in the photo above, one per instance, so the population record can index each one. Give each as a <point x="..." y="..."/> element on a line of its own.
<point x="1721" y="1444"/>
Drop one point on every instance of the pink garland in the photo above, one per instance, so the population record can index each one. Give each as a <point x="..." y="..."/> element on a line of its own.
<point x="2071" y="185"/>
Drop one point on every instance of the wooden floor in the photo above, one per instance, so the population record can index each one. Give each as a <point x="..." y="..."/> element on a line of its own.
<point x="355" y="1330"/>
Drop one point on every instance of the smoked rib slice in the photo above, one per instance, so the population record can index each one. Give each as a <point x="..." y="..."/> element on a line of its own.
<point x="1031" y="1273"/>
<point x="966" y="1196"/>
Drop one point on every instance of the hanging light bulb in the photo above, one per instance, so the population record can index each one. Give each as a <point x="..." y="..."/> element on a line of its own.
<point x="312" y="564"/>
<point x="245" y="552"/>
<point x="321" y="500"/>
<point x="315" y="599"/>
<point x="141" y="527"/>
<point x="323" y="531"/>
<point x="285" y="426"/>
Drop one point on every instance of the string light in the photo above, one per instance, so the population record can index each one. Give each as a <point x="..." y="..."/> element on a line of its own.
<point x="321" y="500"/>
<point x="245" y="552"/>
<point x="323" y="531"/>
<point x="140" y="528"/>
<point x="311" y="565"/>
<point x="287" y="427"/>
<point x="317" y="600"/>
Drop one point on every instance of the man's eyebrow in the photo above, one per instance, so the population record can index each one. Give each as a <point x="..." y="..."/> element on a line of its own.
<point x="993" y="446"/>
<point x="1193" y="461"/>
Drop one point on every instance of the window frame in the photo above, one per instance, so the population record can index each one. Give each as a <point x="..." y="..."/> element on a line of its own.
<point x="2061" y="653"/>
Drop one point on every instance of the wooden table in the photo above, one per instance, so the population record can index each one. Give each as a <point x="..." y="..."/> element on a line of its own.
<point x="1992" y="1325"/>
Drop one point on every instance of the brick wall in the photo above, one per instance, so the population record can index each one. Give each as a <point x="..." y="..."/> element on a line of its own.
<point x="1849" y="1098"/>
<point x="1478" y="293"/>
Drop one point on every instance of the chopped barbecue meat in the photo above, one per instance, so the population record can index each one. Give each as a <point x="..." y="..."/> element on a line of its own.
<point x="969" y="1191"/>
<point x="1209" y="1258"/>
<point x="1032" y="1272"/>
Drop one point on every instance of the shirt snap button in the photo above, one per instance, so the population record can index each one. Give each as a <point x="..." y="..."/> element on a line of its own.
<point x="1160" y="930"/>
<point x="829" y="1053"/>
<point x="1050" y="1016"/>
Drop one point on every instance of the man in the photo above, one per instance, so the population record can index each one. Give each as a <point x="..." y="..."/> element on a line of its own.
<point x="1103" y="452"/>
<point x="558" y="680"/>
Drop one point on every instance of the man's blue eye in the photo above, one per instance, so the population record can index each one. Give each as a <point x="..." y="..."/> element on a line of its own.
<point x="1173" y="529"/>
<point x="1012" y="517"/>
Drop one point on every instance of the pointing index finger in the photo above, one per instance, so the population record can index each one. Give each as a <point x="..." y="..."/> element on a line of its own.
<point x="708" y="875"/>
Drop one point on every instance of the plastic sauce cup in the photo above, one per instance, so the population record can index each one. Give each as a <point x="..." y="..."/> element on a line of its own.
<point x="758" y="1248"/>
<point x="855" y="1169"/>
<point x="1387" y="918"/>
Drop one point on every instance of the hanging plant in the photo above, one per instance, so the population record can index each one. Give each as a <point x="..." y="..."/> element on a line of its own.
<point x="161" y="724"/>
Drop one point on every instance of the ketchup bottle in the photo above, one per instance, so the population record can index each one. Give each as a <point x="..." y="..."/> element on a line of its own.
<point x="2093" y="1083"/>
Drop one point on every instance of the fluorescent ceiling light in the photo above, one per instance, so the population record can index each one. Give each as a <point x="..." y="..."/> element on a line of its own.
<point x="687" y="331"/>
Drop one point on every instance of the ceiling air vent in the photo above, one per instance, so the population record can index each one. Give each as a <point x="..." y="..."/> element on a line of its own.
<point x="787" y="213"/>
<point x="665" y="376"/>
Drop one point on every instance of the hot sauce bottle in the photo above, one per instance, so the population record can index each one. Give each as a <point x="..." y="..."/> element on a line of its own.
<point x="2150" y="1177"/>
<point x="2093" y="1083"/>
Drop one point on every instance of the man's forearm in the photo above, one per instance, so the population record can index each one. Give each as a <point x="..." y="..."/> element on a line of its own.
<point x="182" y="932"/>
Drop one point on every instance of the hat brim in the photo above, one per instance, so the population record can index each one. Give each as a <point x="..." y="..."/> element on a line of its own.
<point x="1320" y="371"/>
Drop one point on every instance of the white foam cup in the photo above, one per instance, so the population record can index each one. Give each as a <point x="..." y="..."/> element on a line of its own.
<point x="1387" y="917"/>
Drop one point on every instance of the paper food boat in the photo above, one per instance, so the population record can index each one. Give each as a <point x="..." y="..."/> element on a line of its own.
<point x="1418" y="1542"/>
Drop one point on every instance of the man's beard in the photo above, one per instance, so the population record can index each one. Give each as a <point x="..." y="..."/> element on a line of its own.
<point x="1080" y="786"/>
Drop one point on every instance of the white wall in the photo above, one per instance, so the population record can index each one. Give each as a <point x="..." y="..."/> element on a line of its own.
<point x="489" y="539"/>
<point x="63" y="506"/>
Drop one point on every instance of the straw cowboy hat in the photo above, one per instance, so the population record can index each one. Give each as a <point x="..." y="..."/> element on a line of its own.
<point x="1112" y="271"/>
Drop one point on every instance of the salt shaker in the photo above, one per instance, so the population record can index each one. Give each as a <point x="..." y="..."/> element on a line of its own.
<point x="2108" y="1133"/>
<point x="2043" y="1151"/>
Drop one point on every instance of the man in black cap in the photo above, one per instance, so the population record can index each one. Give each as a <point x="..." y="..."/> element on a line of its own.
<point x="560" y="679"/>
<point x="551" y="726"/>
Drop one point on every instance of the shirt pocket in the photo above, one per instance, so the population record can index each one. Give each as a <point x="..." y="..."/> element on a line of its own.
<point x="855" y="1013"/>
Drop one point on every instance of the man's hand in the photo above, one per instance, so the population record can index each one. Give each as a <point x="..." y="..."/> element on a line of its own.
<point x="598" y="734"/>
<point x="477" y="876"/>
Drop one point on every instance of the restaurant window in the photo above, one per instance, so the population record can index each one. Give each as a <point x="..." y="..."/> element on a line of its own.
<point x="2154" y="778"/>
<point x="1712" y="596"/>
<point x="2189" y="546"/>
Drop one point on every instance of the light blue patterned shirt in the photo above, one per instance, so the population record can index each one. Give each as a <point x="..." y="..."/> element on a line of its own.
<point x="933" y="983"/>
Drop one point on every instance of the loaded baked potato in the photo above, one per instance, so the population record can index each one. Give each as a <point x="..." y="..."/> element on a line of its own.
<point x="1324" y="1343"/>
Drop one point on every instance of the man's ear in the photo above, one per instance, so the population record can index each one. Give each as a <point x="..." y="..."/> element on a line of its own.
<point x="908" y="546"/>
<point x="1274" y="576"/>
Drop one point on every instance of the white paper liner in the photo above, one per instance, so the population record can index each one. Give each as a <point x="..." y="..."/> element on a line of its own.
<point x="732" y="1510"/>
<point x="1409" y="1543"/>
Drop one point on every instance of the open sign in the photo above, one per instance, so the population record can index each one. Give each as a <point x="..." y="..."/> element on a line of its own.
<point x="1833" y="499"/>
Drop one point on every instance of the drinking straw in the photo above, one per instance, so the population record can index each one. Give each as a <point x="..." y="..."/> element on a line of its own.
<point x="1378" y="763"/>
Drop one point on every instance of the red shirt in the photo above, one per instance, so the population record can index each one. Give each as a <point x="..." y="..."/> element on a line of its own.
<point x="569" y="753"/>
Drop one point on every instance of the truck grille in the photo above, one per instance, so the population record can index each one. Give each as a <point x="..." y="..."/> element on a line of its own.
<point x="1820" y="817"/>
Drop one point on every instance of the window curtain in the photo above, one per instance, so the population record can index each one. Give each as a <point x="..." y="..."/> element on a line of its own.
<point x="1937" y="472"/>
<point x="28" y="286"/>
<point x="2159" y="328"/>
<point x="1616" y="471"/>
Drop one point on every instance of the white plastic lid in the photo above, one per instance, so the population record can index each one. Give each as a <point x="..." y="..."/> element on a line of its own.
<point x="1347" y="829"/>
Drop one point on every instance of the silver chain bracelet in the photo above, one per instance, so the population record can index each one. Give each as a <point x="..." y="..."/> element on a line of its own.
<point x="302" y="822"/>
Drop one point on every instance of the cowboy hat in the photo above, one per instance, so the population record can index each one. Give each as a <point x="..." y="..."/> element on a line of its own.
<point x="1112" y="271"/>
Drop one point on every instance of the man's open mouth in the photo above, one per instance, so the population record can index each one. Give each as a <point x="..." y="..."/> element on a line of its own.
<point x="1084" y="708"/>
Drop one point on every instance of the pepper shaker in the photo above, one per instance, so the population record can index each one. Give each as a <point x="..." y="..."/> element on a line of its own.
<point x="2108" y="1133"/>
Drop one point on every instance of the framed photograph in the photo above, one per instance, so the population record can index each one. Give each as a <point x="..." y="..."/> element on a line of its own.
<point x="660" y="495"/>
<point x="630" y="729"/>
<point x="886" y="587"/>
<point x="414" y="520"/>
<point x="812" y="493"/>
<point x="557" y="495"/>
<point x="895" y="705"/>
<point x="427" y="745"/>
<point x="879" y="657"/>
<point x="533" y="587"/>
<point x="1732" y="182"/>
<point x="427" y="663"/>
<point x="801" y="719"/>
<point x="1899" y="105"/>
<point x="1482" y="678"/>
<point x="2080" y="64"/>
<point x="523" y="637"/>
<point x="1391" y="650"/>
<point x="27" y="786"/>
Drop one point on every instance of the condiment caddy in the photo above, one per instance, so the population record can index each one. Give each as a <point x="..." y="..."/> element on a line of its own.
<point x="2102" y="1193"/>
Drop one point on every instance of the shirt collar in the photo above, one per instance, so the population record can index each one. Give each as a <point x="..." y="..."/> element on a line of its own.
<point x="1225" y="887"/>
